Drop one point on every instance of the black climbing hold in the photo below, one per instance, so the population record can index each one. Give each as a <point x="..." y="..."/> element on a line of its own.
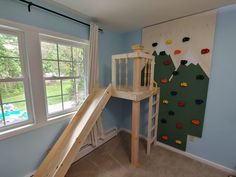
<point x="186" y="39"/>
<point x="164" y="121"/>
<point x="171" y="113"/>
<point x="175" y="73"/>
<point x="183" y="62"/>
<point x="162" y="53"/>
<point x="199" y="101"/>
<point x="154" y="44"/>
<point x="173" y="93"/>
<point x="200" y="77"/>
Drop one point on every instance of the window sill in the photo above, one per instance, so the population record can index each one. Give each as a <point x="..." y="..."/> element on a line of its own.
<point x="33" y="126"/>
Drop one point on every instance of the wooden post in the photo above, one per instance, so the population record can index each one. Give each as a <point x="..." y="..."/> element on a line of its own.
<point x="120" y="75"/>
<point x="135" y="114"/>
<point x="126" y="73"/>
<point x="114" y="73"/>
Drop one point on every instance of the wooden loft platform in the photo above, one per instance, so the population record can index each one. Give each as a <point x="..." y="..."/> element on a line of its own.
<point x="129" y="94"/>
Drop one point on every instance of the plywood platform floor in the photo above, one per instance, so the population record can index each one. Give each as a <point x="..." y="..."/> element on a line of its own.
<point x="112" y="160"/>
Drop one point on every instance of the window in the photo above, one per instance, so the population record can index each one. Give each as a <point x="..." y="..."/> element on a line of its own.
<point x="64" y="68"/>
<point x="14" y="92"/>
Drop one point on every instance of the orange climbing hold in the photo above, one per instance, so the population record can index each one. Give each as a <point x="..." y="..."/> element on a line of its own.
<point x="178" y="142"/>
<point x="195" y="122"/>
<point x="164" y="81"/>
<point x="177" y="52"/>
<point x="165" y="138"/>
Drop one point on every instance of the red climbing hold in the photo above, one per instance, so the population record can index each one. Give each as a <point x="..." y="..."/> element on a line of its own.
<point x="166" y="62"/>
<point x="179" y="126"/>
<point x="205" y="51"/>
<point x="177" y="52"/>
<point x="165" y="138"/>
<point x="181" y="103"/>
<point x="164" y="81"/>
<point x="196" y="122"/>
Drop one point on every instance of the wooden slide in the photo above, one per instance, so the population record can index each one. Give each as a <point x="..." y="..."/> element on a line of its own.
<point x="62" y="154"/>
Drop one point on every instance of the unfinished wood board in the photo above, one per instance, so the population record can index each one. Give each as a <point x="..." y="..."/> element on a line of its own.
<point x="60" y="157"/>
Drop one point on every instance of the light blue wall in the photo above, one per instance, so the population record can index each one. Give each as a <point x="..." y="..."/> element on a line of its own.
<point x="20" y="155"/>
<point x="218" y="143"/>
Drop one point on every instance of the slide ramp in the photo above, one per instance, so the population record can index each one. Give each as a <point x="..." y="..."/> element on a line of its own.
<point x="62" y="154"/>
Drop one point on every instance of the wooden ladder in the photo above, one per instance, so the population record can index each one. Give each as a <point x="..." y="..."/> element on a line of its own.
<point x="152" y="120"/>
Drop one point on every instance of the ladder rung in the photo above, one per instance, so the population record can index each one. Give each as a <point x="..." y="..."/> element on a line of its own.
<point x="154" y="115"/>
<point x="155" y="102"/>
<point x="153" y="128"/>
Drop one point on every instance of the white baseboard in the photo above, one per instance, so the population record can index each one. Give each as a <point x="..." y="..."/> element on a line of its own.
<point x="197" y="158"/>
<point x="194" y="157"/>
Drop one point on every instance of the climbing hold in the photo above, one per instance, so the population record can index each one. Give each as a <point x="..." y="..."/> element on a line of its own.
<point x="171" y="113"/>
<point x="169" y="41"/>
<point x="183" y="62"/>
<point x="166" y="62"/>
<point x="164" y="81"/>
<point x="173" y="93"/>
<point x="199" y="101"/>
<point x="162" y="53"/>
<point x="154" y="44"/>
<point x="175" y="73"/>
<point x="184" y="84"/>
<point x="200" y="77"/>
<point x="165" y="138"/>
<point x="178" y="142"/>
<point x="181" y="103"/>
<point x="185" y="39"/>
<point x="205" y="51"/>
<point x="196" y="122"/>
<point x="165" y="101"/>
<point x="164" y="121"/>
<point x="177" y="52"/>
<point x="179" y="126"/>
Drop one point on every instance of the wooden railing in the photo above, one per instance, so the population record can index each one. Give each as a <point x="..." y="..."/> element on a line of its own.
<point x="133" y="71"/>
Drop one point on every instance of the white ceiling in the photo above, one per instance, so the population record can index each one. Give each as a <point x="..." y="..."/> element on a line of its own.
<point x="127" y="15"/>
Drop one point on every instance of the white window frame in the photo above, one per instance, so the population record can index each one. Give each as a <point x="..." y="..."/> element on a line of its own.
<point x="25" y="79"/>
<point x="71" y="43"/>
<point x="34" y="75"/>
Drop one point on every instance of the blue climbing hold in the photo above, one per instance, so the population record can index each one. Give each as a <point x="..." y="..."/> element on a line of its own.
<point x="199" y="101"/>
<point x="173" y="93"/>
<point x="183" y="62"/>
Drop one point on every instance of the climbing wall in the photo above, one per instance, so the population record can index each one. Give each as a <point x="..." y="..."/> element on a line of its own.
<point x="183" y="52"/>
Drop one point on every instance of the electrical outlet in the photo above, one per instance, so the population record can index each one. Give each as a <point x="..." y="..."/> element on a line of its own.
<point x="191" y="138"/>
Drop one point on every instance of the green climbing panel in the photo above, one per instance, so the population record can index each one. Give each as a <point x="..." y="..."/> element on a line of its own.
<point x="182" y="100"/>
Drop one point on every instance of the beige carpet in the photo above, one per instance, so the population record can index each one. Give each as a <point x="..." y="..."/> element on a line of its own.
<point x="112" y="160"/>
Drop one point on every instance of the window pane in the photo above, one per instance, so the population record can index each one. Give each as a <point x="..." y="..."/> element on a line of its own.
<point x="10" y="68"/>
<point x="78" y="54"/>
<point x="53" y="87"/>
<point x="50" y="68"/>
<point x="68" y="86"/>
<point x="64" y="52"/>
<point x="1" y="118"/>
<point x="9" y="45"/>
<point x="15" y="112"/>
<point x="54" y="104"/>
<point x="12" y="91"/>
<point x="49" y="50"/>
<point x="79" y="69"/>
<point x="66" y="69"/>
<point x="80" y="87"/>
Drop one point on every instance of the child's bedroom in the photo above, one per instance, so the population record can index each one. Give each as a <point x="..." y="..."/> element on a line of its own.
<point x="117" y="88"/>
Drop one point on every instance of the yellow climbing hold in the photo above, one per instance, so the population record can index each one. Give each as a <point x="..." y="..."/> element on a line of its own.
<point x="165" y="101"/>
<point x="178" y="142"/>
<point x="184" y="84"/>
<point x="169" y="42"/>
